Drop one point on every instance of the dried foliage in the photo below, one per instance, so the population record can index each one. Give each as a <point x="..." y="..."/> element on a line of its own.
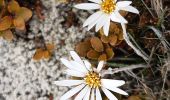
<point x="13" y="19"/>
<point x="7" y="34"/>
<point x="134" y="97"/>
<point x="38" y="9"/>
<point x="70" y="19"/>
<point x="115" y="36"/>
<point x="147" y="19"/>
<point x="44" y="52"/>
<point x="95" y="49"/>
<point x="149" y="40"/>
<point x="13" y="16"/>
<point x="101" y="47"/>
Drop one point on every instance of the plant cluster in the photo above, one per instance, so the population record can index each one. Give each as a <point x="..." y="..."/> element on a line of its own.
<point x="13" y="21"/>
<point x="139" y="41"/>
<point x="44" y="52"/>
<point x="13" y="17"/>
<point x="146" y="40"/>
<point x="101" y="47"/>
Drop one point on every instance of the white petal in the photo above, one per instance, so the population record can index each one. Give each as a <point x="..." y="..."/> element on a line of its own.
<point x="68" y="82"/>
<point x="91" y="25"/>
<point x="87" y="95"/>
<point x="87" y="6"/>
<point x="72" y="92"/>
<point x="83" y="92"/>
<point x="100" y="66"/>
<point x="124" y="28"/>
<point x="73" y="65"/>
<point x="76" y="57"/>
<point x="109" y="95"/>
<point x="122" y="4"/>
<point x="114" y="17"/>
<point x="92" y="18"/>
<point x="130" y="9"/>
<point x="74" y="73"/>
<point x="102" y="22"/>
<point x="67" y="63"/>
<point x="106" y="27"/>
<point x="92" y="95"/>
<point x="98" y="94"/>
<point x="112" y="83"/>
<point x="79" y="67"/>
<point x="117" y="90"/>
<point x="88" y="65"/>
<point x="96" y="21"/>
<point x="121" y="19"/>
<point x="96" y="1"/>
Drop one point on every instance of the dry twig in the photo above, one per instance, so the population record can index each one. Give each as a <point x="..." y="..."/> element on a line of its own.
<point x="116" y="70"/>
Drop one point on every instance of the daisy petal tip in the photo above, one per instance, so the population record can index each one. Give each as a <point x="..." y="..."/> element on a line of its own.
<point x="122" y="82"/>
<point x="102" y="61"/>
<point x="84" y="25"/>
<point x="76" y="57"/>
<point x="126" y="22"/>
<point x="106" y="33"/>
<point x="132" y="9"/>
<point x="100" y="66"/>
<point x="74" y="54"/>
<point x="126" y="94"/>
<point x="62" y="59"/>
<point x="71" y="52"/>
<point x="137" y="11"/>
<point x="130" y="2"/>
<point x="77" y="6"/>
<point x="122" y="4"/>
<point x="56" y="82"/>
<point x="88" y="29"/>
<point x="95" y="29"/>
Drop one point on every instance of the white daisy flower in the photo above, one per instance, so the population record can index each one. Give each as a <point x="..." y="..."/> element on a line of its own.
<point x="90" y="84"/>
<point x="108" y="10"/>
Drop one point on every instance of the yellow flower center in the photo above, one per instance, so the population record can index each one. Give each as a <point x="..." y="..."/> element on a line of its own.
<point x="93" y="80"/>
<point x="108" y="6"/>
